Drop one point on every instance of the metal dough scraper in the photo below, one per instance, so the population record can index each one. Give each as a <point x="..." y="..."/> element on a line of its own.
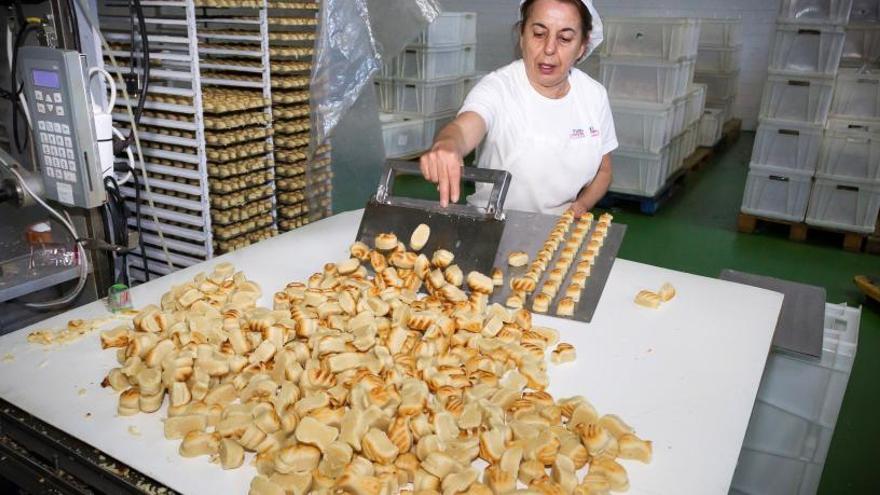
<point x="471" y="233"/>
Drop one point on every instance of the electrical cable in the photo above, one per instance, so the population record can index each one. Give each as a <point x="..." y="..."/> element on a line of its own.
<point x="110" y="82"/>
<point x="74" y="26"/>
<point x="137" y="219"/>
<point x="118" y="221"/>
<point x="93" y="22"/>
<point x="131" y="162"/>
<point x="83" y="257"/>
<point x="16" y="88"/>
<point x="145" y="55"/>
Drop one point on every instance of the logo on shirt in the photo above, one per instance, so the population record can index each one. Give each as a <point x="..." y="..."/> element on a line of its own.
<point x="581" y="134"/>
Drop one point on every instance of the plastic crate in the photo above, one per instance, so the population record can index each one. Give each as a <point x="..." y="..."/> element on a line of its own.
<point x="640" y="173"/>
<point x="794" y="417"/>
<point x="402" y="134"/>
<point x="665" y="38"/>
<point x="689" y="141"/>
<point x="864" y="11"/>
<point x="856" y="95"/>
<point x="435" y="124"/>
<point x="797" y="97"/>
<point x="428" y="97"/>
<point x="468" y="59"/>
<point x="718" y="59"/>
<point x="385" y="94"/>
<point x="471" y="80"/>
<point x="787" y="145"/>
<point x="842" y="204"/>
<point x="711" y="127"/>
<point x="679" y="107"/>
<point x="801" y="48"/>
<point x="851" y="155"/>
<point x="815" y="11"/>
<point x="720" y="32"/>
<point x="847" y="124"/>
<point x="590" y="66"/>
<point x="777" y="193"/>
<point x="676" y="155"/>
<point x="388" y="69"/>
<point x="719" y="85"/>
<point x="430" y="63"/>
<point x="861" y="45"/>
<point x="645" y="80"/>
<point x="450" y="28"/>
<point x="643" y="126"/>
<point x="725" y="105"/>
<point x="696" y="101"/>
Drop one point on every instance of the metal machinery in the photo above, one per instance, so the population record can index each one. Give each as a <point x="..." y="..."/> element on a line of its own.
<point x="59" y="166"/>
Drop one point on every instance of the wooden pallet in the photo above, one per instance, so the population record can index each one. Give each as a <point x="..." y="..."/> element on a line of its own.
<point x="699" y="158"/>
<point x="730" y="133"/>
<point x="797" y="231"/>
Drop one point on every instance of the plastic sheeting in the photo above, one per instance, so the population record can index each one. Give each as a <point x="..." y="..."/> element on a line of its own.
<point x="354" y="36"/>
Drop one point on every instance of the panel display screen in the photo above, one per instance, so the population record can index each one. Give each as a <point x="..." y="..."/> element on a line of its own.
<point x="46" y="79"/>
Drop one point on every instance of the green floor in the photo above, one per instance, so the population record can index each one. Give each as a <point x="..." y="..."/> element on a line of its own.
<point x="695" y="232"/>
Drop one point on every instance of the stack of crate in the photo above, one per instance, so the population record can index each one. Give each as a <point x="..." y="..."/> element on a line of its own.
<point x="846" y="191"/>
<point x="205" y="132"/>
<point x="718" y="65"/>
<point x="804" y="60"/>
<point x="647" y="67"/>
<point x="421" y="89"/>
<point x="796" y="411"/>
<point x="303" y="186"/>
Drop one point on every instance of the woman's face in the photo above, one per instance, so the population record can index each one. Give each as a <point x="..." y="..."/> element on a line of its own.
<point x="551" y="42"/>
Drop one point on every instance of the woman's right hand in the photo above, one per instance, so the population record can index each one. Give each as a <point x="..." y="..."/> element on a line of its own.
<point x="442" y="166"/>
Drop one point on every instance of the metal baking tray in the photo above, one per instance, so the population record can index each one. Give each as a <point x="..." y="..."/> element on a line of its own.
<point x="527" y="232"/>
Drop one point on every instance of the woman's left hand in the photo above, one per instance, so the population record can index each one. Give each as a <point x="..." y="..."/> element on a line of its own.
<point x="577" y="208"/>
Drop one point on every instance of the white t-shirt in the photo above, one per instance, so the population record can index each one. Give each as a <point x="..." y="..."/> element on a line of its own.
<point x="552" y="147"/>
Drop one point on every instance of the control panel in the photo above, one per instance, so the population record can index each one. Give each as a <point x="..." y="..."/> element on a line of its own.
<point x="56" y="88"/>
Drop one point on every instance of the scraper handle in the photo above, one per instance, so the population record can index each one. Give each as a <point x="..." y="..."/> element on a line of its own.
<point x="495" y="207"/>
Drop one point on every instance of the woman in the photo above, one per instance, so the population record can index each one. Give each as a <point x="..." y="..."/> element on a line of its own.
<point x="545" y="122"/>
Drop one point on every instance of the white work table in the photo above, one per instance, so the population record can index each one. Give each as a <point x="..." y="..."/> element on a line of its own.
<point x="684" y="375"/>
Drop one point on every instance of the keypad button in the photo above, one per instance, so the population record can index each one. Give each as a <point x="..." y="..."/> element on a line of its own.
<point x="68" y="142"/>
<point x="38" y="95"/>
<point x="56" y="127"/>
<point x="41" y="108"/>
<point x="59" y="110"/>
<point x="57" y="97"/>
<point x="50" y="107"/>
<point x="71" y="165"/>
<point x="65" y="129"/>
<point x="70" y="176"/>
<point x="41" y="125"/>
<point x="50" y="172"/>
<point x="46" y="149"/>
<point x="69" y="153"/>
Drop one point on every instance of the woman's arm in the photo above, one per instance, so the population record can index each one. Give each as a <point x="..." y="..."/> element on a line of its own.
<point x="442" y="164"/>
<point x="592" y="193"/>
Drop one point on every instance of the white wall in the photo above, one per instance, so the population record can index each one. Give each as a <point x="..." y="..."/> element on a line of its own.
<point x="495" y="19"/>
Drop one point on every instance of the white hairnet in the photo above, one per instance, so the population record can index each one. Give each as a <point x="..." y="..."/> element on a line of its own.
<point x="596" y="36"/>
